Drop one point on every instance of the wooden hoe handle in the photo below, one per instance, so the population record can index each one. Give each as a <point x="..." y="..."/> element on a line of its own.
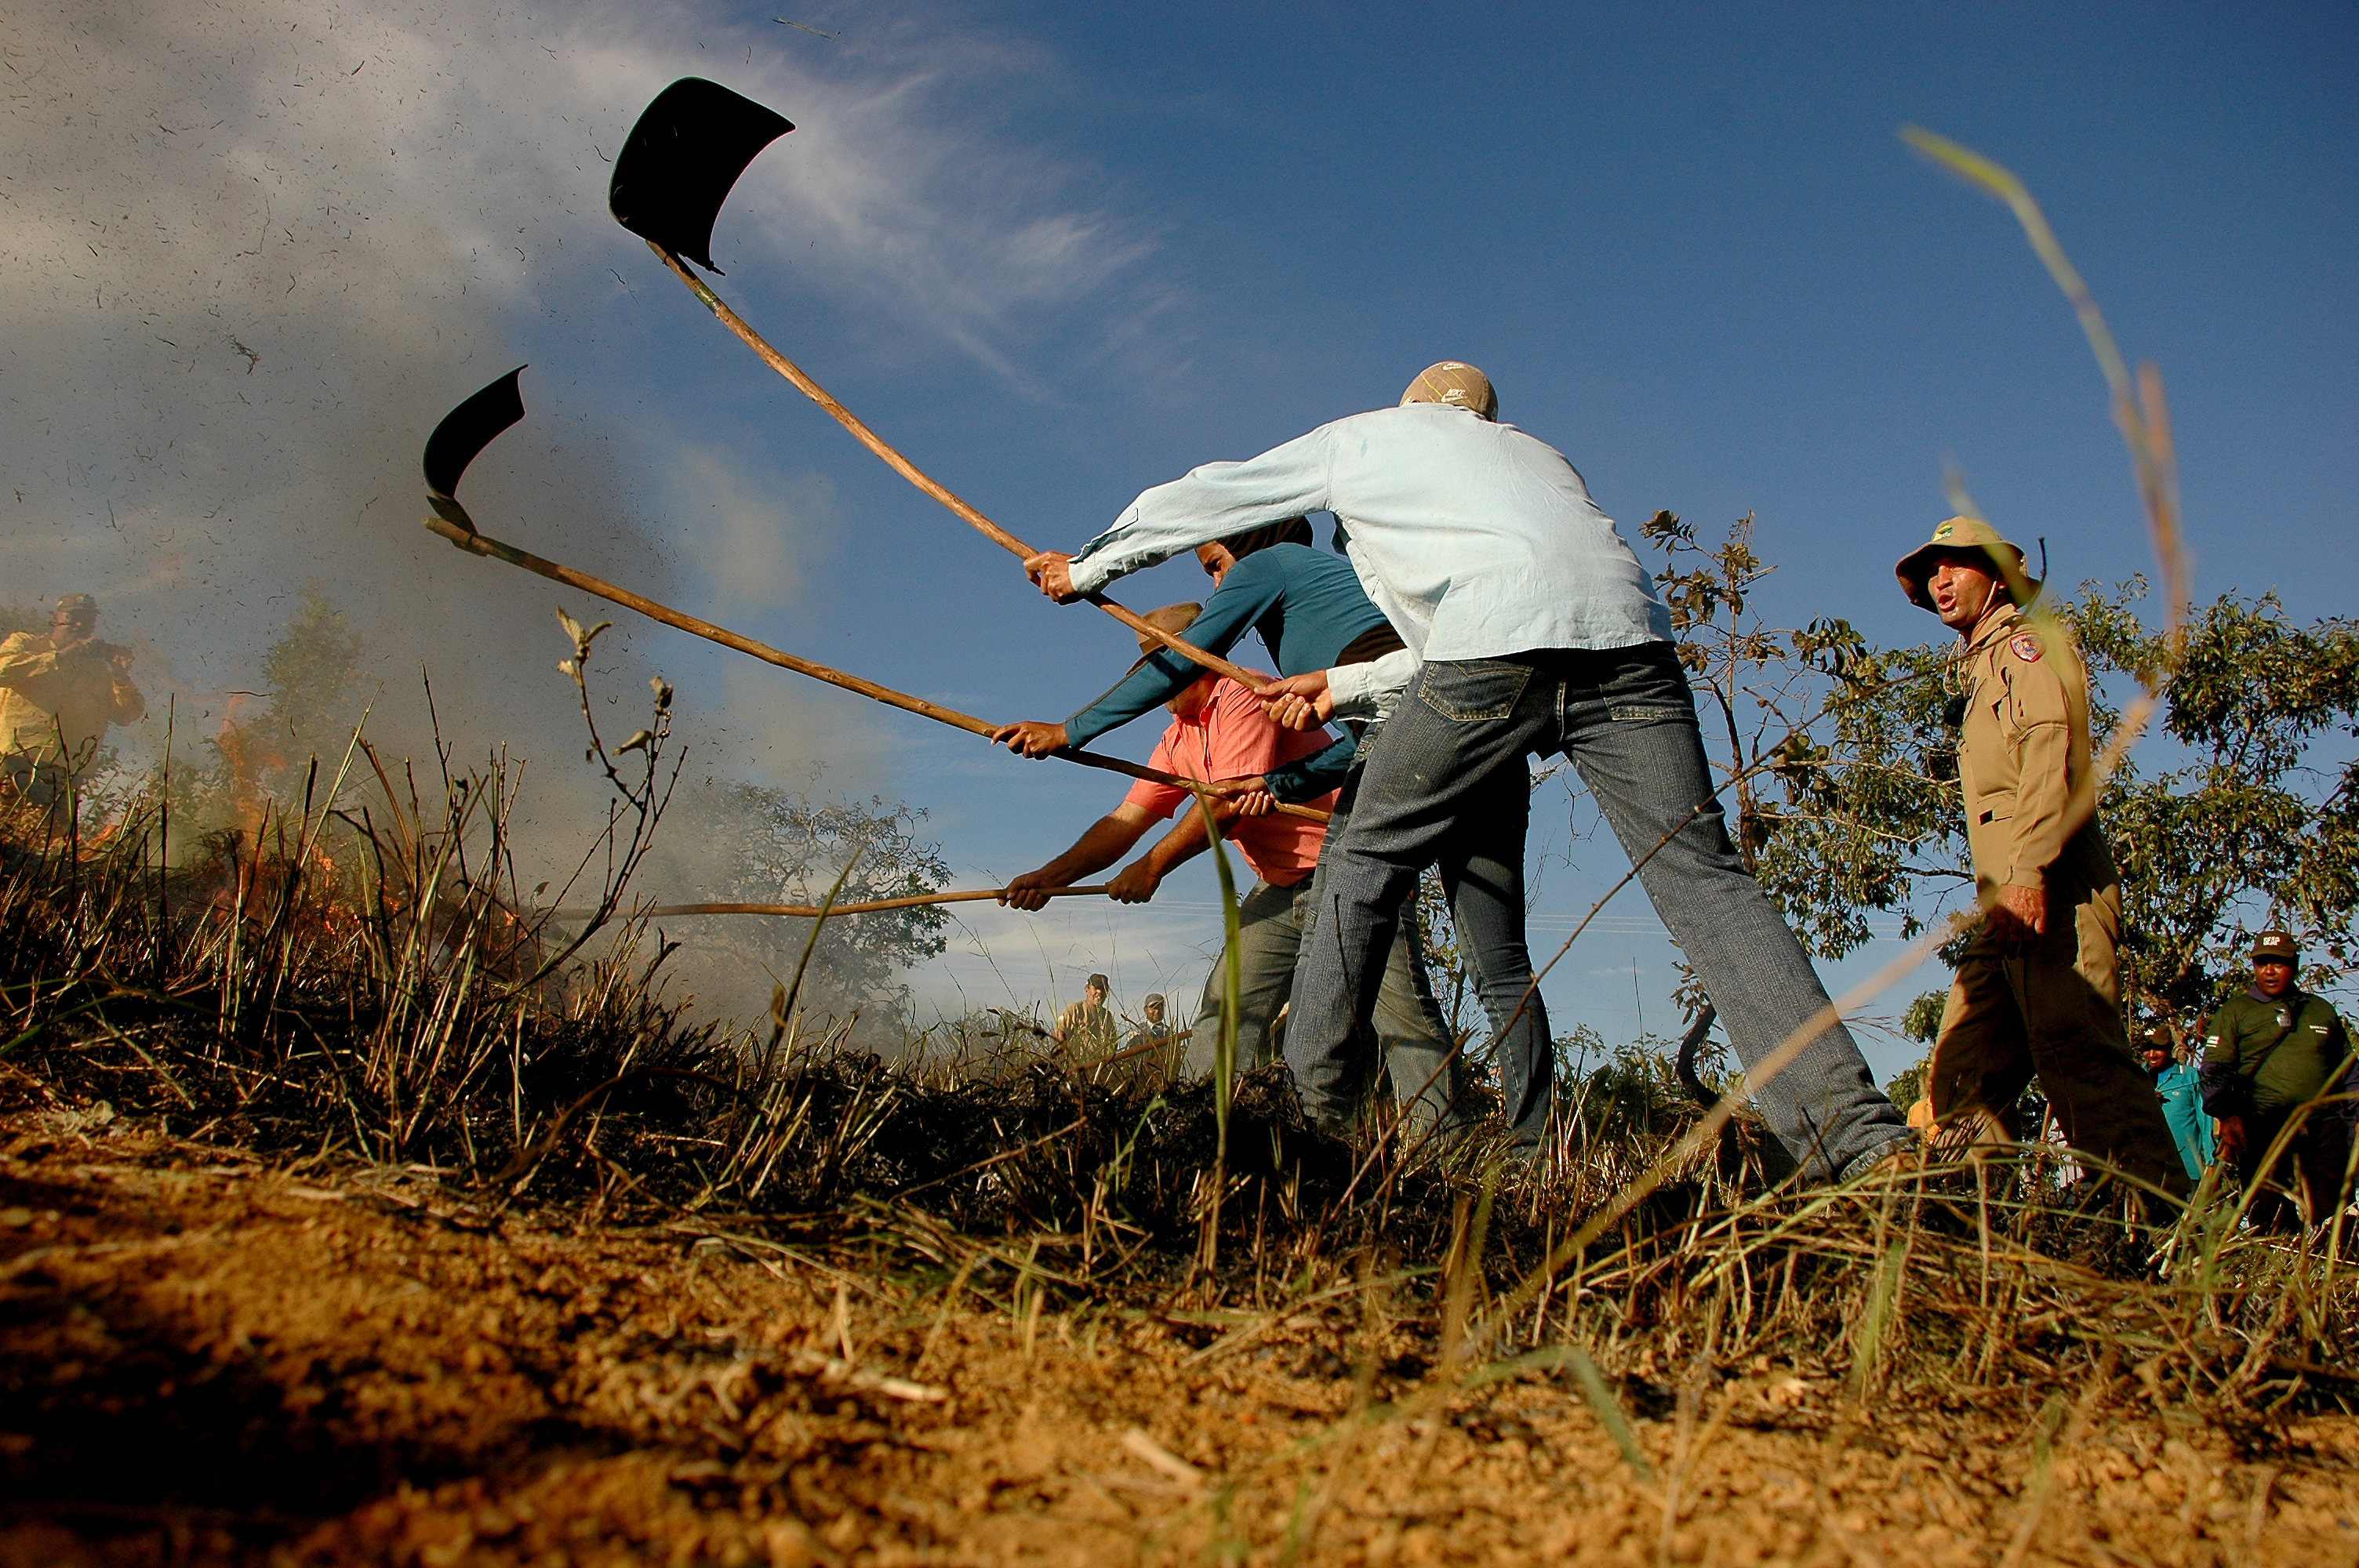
<point x="484" y="544"/>
<point x="914" y="475"/>
<point x="813" y="912"/>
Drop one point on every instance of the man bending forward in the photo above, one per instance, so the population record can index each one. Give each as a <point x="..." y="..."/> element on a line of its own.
<point x="1539" y="632"/>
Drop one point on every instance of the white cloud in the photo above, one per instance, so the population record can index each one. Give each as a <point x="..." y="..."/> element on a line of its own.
<point x="251" y="252"/>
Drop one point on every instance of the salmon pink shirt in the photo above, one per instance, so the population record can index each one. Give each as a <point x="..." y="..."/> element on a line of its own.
<point x="1232" y="738"/>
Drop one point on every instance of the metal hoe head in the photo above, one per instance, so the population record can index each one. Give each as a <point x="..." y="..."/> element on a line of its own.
<point x="682" y="156"/>
<point x="466" y="431"/>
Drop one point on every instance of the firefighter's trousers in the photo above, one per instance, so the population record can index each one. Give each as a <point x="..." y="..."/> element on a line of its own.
<point x="2051" y="1010"/>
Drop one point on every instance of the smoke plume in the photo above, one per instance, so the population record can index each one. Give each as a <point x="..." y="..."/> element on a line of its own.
<point x="252" y="252"/>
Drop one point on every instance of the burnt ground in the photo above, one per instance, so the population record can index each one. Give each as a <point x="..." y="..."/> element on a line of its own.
<point x="206" y="1357"/>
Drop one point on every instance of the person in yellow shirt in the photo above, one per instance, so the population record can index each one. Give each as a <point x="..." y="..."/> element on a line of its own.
<point x="2036" y="991"/>
<point x="58" y="692"/>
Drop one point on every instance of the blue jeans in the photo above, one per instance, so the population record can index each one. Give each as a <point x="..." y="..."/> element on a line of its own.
<point x="1414" y="1041"/>
<point x="1445" y="783"/>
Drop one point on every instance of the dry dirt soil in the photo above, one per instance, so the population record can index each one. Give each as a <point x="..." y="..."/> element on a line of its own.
<point x="206" y="1358"/>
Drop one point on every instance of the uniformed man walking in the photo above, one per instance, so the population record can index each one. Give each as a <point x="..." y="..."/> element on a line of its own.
<point x="58" y="695"/>
<point x="2268" y="1053"/>
<point x="2036" y="991"/>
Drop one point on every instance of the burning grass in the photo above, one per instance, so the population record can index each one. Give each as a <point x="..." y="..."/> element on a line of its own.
<point x="918" y="1241"/>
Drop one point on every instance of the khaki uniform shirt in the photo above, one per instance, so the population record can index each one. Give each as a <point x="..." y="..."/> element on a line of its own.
<point x="2023" y="758"/>
<point x="45" y="696"/>
<point x="1086" y="1031"/>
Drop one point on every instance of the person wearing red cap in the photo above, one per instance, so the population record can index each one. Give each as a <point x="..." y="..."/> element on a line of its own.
<point x="1086" y="1028"/>
<point x="2036" y="991"/>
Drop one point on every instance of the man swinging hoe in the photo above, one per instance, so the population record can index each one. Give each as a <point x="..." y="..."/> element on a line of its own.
<point x="1528" y="626"/>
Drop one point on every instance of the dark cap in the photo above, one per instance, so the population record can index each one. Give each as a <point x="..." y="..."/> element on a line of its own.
<point x="2275" y="944"/>
<point x="79" y="606"/>
<point x="1284" y="531"/>
<point x="1100" y="982"/>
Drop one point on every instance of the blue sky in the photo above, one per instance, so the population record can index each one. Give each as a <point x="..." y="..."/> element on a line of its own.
<point x="1059" y="254"/>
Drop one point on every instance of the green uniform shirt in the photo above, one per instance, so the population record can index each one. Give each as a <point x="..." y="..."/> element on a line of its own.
<point x="2299" y="1070"/>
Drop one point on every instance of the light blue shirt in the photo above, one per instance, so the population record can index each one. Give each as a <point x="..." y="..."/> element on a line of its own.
<point x="1473" y="538"/>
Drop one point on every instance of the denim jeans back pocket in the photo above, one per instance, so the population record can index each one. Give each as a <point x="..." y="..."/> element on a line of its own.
<point x="1467" y="690"/>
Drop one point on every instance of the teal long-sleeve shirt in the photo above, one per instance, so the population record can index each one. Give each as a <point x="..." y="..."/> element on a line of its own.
<point x="1308" y="607"/>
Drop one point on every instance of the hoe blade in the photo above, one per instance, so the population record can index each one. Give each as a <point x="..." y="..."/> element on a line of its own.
<point x="685" y="153"/>
<point x="466" y="431"/>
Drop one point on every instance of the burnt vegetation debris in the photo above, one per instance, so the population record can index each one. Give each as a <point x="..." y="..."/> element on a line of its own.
<point x="351" y="987"/>
<point x="268" y="997"/>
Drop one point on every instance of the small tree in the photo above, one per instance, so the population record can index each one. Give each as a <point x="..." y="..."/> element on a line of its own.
<point x="315" y="680"/>
<point x="2255" y="822"/>
<point x="779" y="846"/>
<point x="315" y="677"/>
<point x="1836" y="763"/>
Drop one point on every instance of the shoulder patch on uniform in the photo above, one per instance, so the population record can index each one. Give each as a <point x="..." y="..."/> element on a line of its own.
<point x="2024" y="645"/>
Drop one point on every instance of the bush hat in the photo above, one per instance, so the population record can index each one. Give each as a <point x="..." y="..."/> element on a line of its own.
<point x="2276" y="944"/>
<point x="77" y="607"/>
<point x="1457" y="383"/>
<point x="1958" y="536"/>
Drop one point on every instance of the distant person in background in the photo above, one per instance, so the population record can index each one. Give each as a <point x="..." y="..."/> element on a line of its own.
<point x="2269" y="1053"/>
<point x="1161" y="1049"/>
<point x="1086" y="1028"/>
<point x="58" y="692"/>
<point x="1156" y="1030"/>
<point x="2179" y="1086"/>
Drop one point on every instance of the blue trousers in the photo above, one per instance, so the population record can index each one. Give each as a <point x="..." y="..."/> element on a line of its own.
<point x="1445" y="784"/>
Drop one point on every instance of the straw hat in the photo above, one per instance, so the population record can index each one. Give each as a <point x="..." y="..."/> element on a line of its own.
<point x="1172" y="618"/>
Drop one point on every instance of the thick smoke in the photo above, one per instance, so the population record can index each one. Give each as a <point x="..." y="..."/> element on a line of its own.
<point x="252" y="252"/>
